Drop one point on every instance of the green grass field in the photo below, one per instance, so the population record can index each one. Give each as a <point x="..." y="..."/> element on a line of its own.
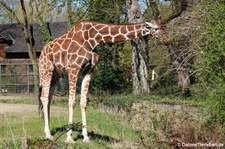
<point x="153" y="122"/>
<point x="105" y="128"/>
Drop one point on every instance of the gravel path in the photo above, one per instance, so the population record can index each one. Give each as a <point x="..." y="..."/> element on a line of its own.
<point x="6" y="108"/>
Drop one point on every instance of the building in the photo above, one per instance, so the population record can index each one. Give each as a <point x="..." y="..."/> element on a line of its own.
<point x="16" y="69"/>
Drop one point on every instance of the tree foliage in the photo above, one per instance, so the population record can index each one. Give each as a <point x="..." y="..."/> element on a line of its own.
<point x="214" y="53"/>
<point x="213" y="72"/>
<point x="107" y="11"/>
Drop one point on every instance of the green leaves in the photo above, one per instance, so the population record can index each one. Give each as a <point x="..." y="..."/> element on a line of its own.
<point x="213" y="72"/>
<point x="214" y="52"/>
<point x="105" y="11"/>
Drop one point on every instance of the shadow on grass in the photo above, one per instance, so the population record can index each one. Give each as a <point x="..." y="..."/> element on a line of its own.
<point x="78" y="128"/>
<point x="95" y="136"/>
<point x="74" y="126"/>
<point x="44" y="143"/>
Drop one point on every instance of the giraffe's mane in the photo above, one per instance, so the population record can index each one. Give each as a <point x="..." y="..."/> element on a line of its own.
<point x="98" y="22"/>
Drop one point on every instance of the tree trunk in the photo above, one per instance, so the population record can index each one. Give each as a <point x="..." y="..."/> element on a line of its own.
<point x="139" y="68"/>
<point x="177" y="58"/>
<point x="178" y="63"/>
<point x="28" y="32"/>
<point x="183" y="78"/>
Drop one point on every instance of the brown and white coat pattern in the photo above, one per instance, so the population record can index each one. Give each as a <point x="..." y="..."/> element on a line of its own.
<point x="73" y="53"/>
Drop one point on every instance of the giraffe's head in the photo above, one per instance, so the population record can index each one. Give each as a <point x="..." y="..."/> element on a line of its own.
<point x="157" y="29"/>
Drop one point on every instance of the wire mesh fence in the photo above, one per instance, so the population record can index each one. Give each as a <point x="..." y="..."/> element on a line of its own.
<point x="17" y="78"/>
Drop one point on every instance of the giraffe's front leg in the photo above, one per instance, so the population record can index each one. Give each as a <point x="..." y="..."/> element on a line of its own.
<point x="83" y="104"/>
<point x="45" y="101"/>
<point x="73" y="75"/>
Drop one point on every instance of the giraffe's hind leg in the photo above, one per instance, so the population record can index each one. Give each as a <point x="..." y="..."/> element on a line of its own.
<point x="55" y="78"/>
<point x="84" y="90"/>
<point x="73" y="76"/>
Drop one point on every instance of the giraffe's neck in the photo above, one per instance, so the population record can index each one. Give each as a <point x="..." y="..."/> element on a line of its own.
<point x="91" y="34"/>
<point x="119" y="33"/>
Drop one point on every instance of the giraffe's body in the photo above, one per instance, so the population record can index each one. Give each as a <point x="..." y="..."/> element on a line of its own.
<point x="73" y="54"/>
<point x="75" y="48"/>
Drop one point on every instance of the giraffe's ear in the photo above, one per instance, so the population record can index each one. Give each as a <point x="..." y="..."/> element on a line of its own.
<point x="150" y="25"/>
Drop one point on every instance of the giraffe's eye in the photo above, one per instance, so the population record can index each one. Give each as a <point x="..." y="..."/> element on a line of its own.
<point x="157" y="28"/>
<point x="148" y="27"/>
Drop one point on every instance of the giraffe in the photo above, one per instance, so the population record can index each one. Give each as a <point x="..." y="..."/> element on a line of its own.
<point x="73" y="54"/>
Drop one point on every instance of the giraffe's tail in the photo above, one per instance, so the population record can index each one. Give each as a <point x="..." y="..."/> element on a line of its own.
<point x="40" y="106"/>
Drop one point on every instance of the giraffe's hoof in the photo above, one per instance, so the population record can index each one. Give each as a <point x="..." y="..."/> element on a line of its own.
<point x="69" y="140"/>
<point x="49" y="137"/>
<point x="86" y="140"/>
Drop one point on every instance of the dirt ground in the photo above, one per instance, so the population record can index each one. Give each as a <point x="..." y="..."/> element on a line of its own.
<point x="6" y="108"/>
<point x="11" y="104"/>
<point x="23" y="108"/>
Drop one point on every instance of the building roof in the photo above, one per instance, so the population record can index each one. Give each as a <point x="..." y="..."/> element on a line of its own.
<point x="13" y="31"/>
<point x="3" y="40"/>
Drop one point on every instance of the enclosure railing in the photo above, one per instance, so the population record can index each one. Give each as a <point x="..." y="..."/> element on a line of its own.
<point x="16" y="78"/>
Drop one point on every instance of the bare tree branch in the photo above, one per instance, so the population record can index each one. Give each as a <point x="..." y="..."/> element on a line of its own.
<point x="5" y="6"/>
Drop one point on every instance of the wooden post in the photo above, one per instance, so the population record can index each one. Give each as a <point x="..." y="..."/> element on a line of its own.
<point x="28" y="77"/>
<point x="2" y="51"/>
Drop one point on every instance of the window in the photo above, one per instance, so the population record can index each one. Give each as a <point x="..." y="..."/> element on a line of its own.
<point x="2" y="69"/>
<point x="30" y="68"/>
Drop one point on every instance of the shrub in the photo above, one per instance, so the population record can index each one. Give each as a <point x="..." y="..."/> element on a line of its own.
<point x="213" y="72"/>
<point x="217" y="106"/>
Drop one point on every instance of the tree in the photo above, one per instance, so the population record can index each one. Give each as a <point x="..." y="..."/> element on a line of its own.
<point x="40" y="6"/>
<point x="139" y="68"/>
<point x="27" y="29"/>
<point x="5" y="16"/>
<point x="108" y="75"/>
<point x="213" y="72"/>
<point x="178" y="51"/>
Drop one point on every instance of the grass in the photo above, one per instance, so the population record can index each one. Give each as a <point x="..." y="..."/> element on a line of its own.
<point x="125" y="102"/>
<point x="104" y="128"/>
<point x="145" y="127"/>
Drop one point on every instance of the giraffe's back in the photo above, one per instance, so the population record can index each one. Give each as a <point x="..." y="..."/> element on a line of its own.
<point x="73" y="49"/>
<point x="63" y="53"/>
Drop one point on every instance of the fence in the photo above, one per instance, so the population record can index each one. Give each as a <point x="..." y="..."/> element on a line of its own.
<point x="16" y="78"/>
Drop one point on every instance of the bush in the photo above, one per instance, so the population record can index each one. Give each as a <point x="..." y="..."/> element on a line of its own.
<point x="166" y="128"/>
<point x="217" y="106"/>
<point x="120" y="102"/>
<point x="213" y="72"/>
